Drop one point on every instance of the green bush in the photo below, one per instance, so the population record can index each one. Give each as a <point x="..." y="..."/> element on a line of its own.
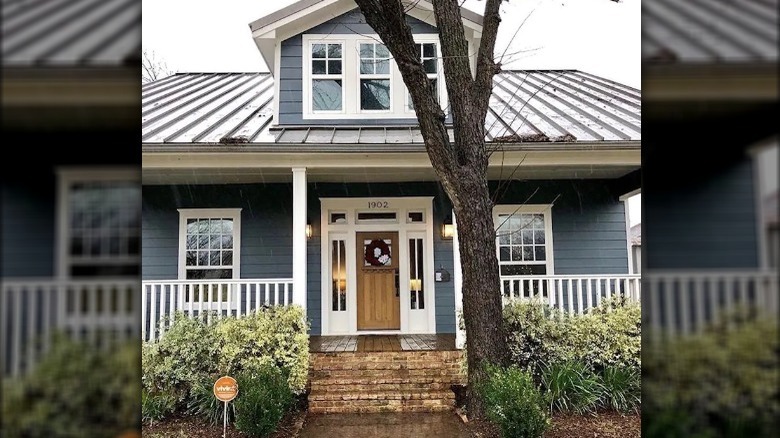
<point x="75" y="390"/>
<point x="514" y="403"/>
<point x="571" y="387"/>
<point x="264" y="397"/>
<point x="622" y="388"/>
<point x="193" y="353"/>
<point x="156" y="406"/>
<point x="721" y="382"/>
<point x="609" y="335"/>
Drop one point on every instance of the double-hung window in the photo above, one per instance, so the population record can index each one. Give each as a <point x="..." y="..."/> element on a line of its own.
<point x="209" y="244"/>
<point x="374" y="77"/>
<point x="524" y="247"/>
<point x="327" y="77"/>
<point x="428" y="54"/>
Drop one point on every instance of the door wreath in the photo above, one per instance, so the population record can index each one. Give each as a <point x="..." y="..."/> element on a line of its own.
<point x="377" y="253"/>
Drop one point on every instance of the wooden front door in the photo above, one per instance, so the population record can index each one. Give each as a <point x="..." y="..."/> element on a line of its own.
<point x="378" y="297"/>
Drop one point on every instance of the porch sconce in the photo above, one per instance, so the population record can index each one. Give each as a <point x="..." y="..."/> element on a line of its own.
<point x="308" y="229"/>
<point x="447" y="229"/>
<point x="415" y="284"/>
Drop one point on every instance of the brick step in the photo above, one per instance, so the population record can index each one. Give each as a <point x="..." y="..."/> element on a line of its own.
<point x="367" y="387"/>
<point x="395" y="374"/>
<point x="380" y="405"/>
<point x="381" y="395"/>
<point x="377" y="363"/>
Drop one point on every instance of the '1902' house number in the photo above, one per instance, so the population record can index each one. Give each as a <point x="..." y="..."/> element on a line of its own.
<point x="378" y="204"/>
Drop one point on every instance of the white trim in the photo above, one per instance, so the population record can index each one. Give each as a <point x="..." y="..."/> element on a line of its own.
<point x="202" y="213"/>
<point x="347" y="231"/>
<point x="351" y="79"/>
<point x="66" y="177"/>
<point x="457" y="282"/>
<point x="299" y="238"/>
<point x="544" y="209"/>
<point x="627" y="219"/>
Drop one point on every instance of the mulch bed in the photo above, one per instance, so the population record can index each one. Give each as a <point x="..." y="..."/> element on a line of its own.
<point x="197" y="428"/>
<point x="602" y="425"/>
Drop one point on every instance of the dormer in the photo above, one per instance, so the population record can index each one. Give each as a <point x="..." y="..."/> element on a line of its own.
<point x="330" y="67"/>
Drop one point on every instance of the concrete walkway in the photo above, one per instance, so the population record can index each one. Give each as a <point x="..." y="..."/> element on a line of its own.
<point x="412" y="425"/>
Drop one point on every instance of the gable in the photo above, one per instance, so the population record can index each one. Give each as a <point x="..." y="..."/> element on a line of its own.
<point x="354" y="22"/>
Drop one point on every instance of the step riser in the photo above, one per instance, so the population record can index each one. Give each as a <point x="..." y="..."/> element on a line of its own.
<point x="375" y="406"/>
<point x="410" y="387"/>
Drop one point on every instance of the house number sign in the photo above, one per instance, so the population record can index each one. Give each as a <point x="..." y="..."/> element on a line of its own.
<point x="378" y="204"/>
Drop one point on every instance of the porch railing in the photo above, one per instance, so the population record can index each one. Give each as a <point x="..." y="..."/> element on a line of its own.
<point x="98" y="311"/>
<point x="684" y="302"/>
<point x="574" y="294"/>
<point x="161" y="300"/>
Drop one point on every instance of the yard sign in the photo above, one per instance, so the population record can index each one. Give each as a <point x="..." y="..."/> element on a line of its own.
<point x="225" y="390"/>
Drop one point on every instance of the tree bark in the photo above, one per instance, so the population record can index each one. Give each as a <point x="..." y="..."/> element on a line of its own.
<point x="461" y="166"/>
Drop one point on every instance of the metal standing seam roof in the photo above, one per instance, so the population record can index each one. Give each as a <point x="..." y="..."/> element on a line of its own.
<point x="709" y="31"/>
<point x="66" y="33"/>
<point x="526" y="106"/>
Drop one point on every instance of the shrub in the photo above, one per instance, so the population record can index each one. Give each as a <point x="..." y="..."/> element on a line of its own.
<point x="571" y="387"/>
<point x="75" y="390"/>
<point x="514" y="403"/>
<point x="536" y="334"/>
<point x="156" y="406"/>
<point x="263" y="399"/>
<point x="621" y="389"/>
<point x="202" y="403"/>
<point x="723" y="382"/>
<point x="277" y="335"/>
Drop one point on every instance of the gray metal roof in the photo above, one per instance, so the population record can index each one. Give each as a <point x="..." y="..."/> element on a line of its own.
<point x="707" y="31"/>
<point x="526" y="106"/>
<point x="68" y="33"/>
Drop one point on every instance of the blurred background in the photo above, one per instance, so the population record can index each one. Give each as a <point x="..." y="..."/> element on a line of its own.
<point x="70" y="218"/>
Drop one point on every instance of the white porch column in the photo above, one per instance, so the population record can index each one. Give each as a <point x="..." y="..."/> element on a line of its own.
<point x="457" y="282"/>
<point x="299" y="236"/>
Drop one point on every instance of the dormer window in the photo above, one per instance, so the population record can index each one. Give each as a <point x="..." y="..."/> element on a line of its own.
<point x="327" y="77"/>
<point x="354" y="76"/>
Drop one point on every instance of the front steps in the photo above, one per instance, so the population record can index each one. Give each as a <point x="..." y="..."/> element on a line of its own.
<point x="391" y="381"/>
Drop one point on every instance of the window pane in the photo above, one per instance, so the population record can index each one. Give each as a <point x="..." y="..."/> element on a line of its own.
<point x="192" y="242"/>
<point x="366" y="51"/>
<point x="538" y="221"/>
<point x="503" y="253"/>
<point x="366" y="67"/>
<point x="528" y="237"/>
<point x="429" y="50"/>
<point x="540" y="255"/>
<point x="207" y="274"/>
<point x="203" y="241"/>
<point x="503" y="237"/>
<point x="191" y="258"/>
<point x="381" y="51"/>
<point x="528" y="253"/>
<point x="429" y="65"/>
<point x="334" y="51"/>
<point x="334" y="67"/>
<point x="339" y="275"/>
<point x="523" y="269"/>
<point x="203" y="258"/>
<point x="326" y="95"/>
<point x="318" y="67"/>
<point x="214" y="258"/>
<point x="374" y="94"/>
<point x="318" y="50"/>
<point x="517" y="254"/>
<point x="227" y="258"/>
<point x="539" y="237"/>
<point x="382" y="67"/>
<point x="215" y="241"/>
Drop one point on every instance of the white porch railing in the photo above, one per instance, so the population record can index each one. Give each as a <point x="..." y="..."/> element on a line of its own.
<point x="574" y="294"/>
<point x="99" y="311"/>
<point x="683" y="302"/>
<point x="160" y="300"/>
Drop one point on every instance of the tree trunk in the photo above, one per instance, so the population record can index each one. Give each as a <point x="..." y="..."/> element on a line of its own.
<point x="460" y="165"/>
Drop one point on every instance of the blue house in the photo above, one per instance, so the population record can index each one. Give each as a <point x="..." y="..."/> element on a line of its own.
<point x="311" y="185"/>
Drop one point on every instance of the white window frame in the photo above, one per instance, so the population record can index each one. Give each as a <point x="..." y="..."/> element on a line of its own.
<point x="369" y="76"/>
<point x="67" y="177"/>
<point x="202" y="213"/>
<point x="543" y="209"/>
<point x="309" y="80"/>
<point x="351" y="79"/>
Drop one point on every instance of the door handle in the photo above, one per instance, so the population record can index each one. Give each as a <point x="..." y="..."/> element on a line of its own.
<point x="397" y="283"/>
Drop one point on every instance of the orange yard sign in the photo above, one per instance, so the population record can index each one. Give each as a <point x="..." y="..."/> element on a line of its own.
<point x="225" y="389"/>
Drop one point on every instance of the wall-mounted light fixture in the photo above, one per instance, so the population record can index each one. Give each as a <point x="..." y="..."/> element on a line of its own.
<point x="308" y="229"/>
<point x="447" y="229"/>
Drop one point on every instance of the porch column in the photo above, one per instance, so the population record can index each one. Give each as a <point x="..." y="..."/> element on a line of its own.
<point x="299" y="236"/>
<point x="457" y="282"/>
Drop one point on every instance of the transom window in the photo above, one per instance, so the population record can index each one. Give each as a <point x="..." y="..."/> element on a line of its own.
<point x="374" y="77"/>
<point x="327" y="71"/>
<point x="209" y="244"/>
<point x="101" y="229"/>
<point x="523" y="240"/>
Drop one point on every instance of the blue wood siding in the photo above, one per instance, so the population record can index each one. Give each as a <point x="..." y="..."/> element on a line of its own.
<point x="589" y="235"/>
<point x="291" y="68"/>
<point x="702" y="220"/>
<point x="27" y="227"/>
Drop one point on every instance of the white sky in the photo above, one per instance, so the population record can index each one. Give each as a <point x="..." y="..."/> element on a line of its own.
<point x="601" y="37"/>
<point x="597" y="36"/>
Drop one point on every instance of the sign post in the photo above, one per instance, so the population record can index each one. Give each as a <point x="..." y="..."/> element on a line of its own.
<point x="225" y="390"/>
